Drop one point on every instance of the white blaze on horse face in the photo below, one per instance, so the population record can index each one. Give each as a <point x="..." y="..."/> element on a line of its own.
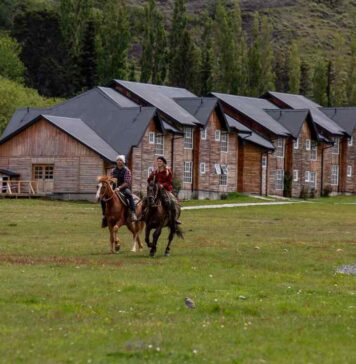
<point x="98" y="191"/>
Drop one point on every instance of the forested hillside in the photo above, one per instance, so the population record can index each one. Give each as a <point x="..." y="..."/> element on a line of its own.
<point x="63" y="47"/>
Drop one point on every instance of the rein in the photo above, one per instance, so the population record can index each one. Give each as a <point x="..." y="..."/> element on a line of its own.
<point x="109" y="198"/>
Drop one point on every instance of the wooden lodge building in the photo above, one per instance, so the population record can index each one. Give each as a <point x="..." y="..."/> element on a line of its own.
<point x="215" y="145"/>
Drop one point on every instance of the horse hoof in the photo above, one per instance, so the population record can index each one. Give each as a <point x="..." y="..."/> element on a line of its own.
<point x="134" y="250"/>
<point x="166" y="254"/>
<point x="152" y="254"/>
<point x="117" y="248"/>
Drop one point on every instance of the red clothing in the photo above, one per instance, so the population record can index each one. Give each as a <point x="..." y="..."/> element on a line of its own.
<point x="163" y="177"/>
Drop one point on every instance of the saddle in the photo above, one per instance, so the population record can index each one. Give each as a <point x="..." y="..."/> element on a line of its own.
<point x="122" y="198"/>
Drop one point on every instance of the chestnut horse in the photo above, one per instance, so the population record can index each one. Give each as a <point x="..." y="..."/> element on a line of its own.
<point x="117" y="215"/>
<point x="156" y="217"/>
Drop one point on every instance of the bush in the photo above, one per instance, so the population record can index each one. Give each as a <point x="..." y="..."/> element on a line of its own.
<point x="304" y="193"/>
<point x="326" y="191"/>
<point x="177" y="185"/>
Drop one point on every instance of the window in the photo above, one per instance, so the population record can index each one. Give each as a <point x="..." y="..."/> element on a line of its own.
<point x="314" y="151"/>
<point x="188" y="138"/>
<point x="350" y="142"/>
<point x="187" y="177"/>
<point x="279" y="148"/>
<point x="307" y="176"/>
<point x="335" y="175"/>
<point x="38" y="172"/>
<point x="349" y="171"/>
<point x="223" y="175"/>
<point x="264" y="161"/>
<point x="217" y="135"/>
<point x="43" y="172"/>
<point x="223" y="141"/>
<point x="150" y="170"/>
<point x="296" y="144"/>
<point x="295" y="175"/>
<point x="151" y="137"/>
<point x="48" y="172"/>
<point x="202" y="168"/>
<point x="307" y="144"/>
<point x="312" y="179"/>
<point x="159" y="147"/>
<point x="279" y="179"/>
<point x="217" y="169"/>
<point x="335" y="148"/>
<point x="204" y="134"/>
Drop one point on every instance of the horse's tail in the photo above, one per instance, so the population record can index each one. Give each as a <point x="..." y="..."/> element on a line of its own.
<point x="179" y="232"/>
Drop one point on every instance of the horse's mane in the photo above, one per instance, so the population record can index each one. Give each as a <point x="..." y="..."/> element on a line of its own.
<point x="107" y="179"/>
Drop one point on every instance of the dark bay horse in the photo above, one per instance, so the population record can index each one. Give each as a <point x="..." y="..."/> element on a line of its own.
<point x="157" y="217"/>
<point x="117" y="215"/>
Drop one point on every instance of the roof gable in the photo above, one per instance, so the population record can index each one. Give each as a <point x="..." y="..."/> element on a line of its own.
<point x="344" y="116"/>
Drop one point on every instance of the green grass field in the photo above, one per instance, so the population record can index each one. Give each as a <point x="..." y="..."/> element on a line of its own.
<point x="263" y="280"/>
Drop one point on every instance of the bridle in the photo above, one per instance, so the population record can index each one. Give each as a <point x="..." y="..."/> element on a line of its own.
<point x="153" y="198"/>
<point x="105" y="184"/>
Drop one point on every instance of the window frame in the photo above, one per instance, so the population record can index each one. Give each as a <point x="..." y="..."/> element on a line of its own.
<point x="151" y="137"/>
<point x="277" y="187"/>
<point x="217" y="135"/>
<point x="279" y="151"/>
<point x="314" y="151"/>
<point x="296" y="143"/>
<point x="159" y="136"/>
<point x="188" y="137"/>
<point x="349" y="171"/>
<point x="334" y="178"/>
<point x="204" y="134"/>
<point x="202" y="171"/>
<point x="295" y="175"/>
<point x="188" y="172"/>
<point x="307" y="144"/>
<point x="224" y="144"/>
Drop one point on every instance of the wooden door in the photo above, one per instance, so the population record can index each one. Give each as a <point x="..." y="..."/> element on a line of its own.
<point x="42" y="174"/>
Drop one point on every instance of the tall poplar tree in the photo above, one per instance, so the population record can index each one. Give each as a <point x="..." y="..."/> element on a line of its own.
<point x="294" y="69"/>
<point x="281" y="72"/>
<point x="254" y="60"/>
<point x="206" y="65"/>
<point x="305" y="79"/>
<point x="113" y="42"/>
<point x="267" y="57"/>
<point x="154" y="47"/>
<point x="320" y="82"/>
<point x="351" y="83"/>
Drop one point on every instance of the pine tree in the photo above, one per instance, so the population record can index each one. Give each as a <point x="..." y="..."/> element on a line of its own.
<point x="267" y="57"/>
<point x="179" y="24"/>
<point x="351" y="84"/>
<point x="305" y="79"/>
<point x="88" y="58"/>
<point x="132" y="74"/>
<point x="320" y="82"/>
<point x="294" y="69"/>
<point x="113" y="42"/>
<point x="154" y="52"/>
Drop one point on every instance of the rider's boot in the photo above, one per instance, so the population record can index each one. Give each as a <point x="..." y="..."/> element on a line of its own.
<point x="104" y="222"/>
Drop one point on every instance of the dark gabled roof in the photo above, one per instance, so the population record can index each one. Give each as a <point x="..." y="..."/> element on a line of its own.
<point x="300" y="102"/>
<point x="120" y="127"/>
<point x="170" y="129"/>
<point x="6" y="172"/>
<point x="202" y="107"/>
<point x="162" y="98"/>
<point x="234" y="124"/>
<point x="344" y="116"/>
<point x="292" y="120"/>
<point x="247" y="134"/>
<point x="80" y="131"/>
<point x="254" y="109"/>
<point x="120" y="99"/>
<point x="257" y="139"/>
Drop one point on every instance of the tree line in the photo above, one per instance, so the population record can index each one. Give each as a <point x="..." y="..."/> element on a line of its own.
<point x="66" y="49"/>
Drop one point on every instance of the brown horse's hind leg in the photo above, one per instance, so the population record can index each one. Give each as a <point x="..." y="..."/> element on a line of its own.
<point x="170" y="238"/>
<point x="117" y="245"/>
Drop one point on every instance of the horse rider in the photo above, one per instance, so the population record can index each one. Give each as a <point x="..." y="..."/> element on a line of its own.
<point x="123" y="177"/>
<point x="164" y="177"/>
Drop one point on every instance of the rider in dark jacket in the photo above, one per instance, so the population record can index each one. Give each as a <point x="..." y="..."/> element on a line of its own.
<point x="123" y="183"/>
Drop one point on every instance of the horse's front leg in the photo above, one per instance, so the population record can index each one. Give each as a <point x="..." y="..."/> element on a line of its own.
<point x="156" y="235"/>
<point x="117" y="244"/>
<point x="147" y="235"/>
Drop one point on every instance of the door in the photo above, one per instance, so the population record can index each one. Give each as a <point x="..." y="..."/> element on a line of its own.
<point x="42" y="174"/>
<point x="264" y="162"/>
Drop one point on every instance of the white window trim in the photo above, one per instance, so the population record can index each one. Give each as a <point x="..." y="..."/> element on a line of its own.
<point x="337" y="144"/>
<point x="296" y="144"/>
<point x="161" y="135"/>
<point x="204" y="133"/>
<point x="151" y="137"/>
<point x="217" y="169"/>
<point x="349" y="171"/>
<point x="264" y="161"/>
<point x="295" y="175"/>
<point x="225" y="134"/>
<point x="311" y="180"/>
<point x="217" y="135"/>
<point x="307" y="176"/>
<point x="186" y="129"/>
<point x="223" y="178"/>
<point x="350" y="142"/>
<point x="279" y="179"/>
<point x="307" y="144"/>
<point x="280" y="146"/>
<point x="202" y="168"/>
<point x="188" y="170"/>
<point x="336" y="174"/>
<point x="314" y="147"/>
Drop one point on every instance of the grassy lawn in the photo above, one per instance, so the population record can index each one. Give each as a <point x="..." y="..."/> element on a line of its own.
<point x="263" y="280"/>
